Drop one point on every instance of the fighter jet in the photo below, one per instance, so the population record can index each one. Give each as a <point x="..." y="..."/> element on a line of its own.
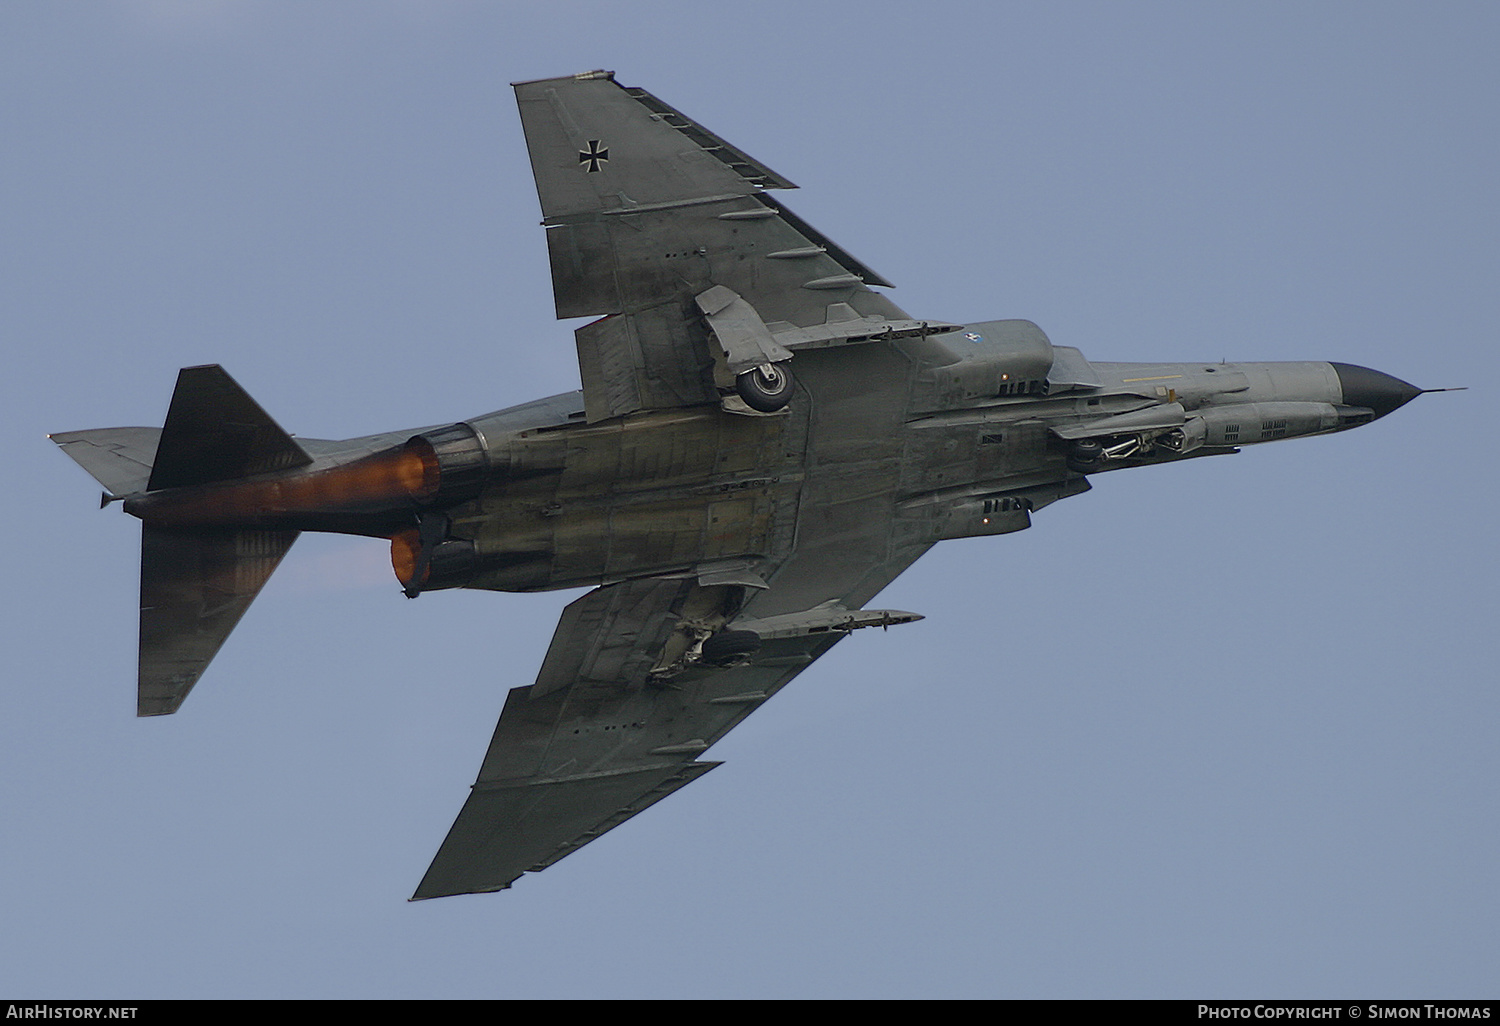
<point x="763" y="441"/>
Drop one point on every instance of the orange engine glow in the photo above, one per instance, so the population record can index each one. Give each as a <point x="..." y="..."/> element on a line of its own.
<point x="405" y="547"/>
<point x="397" y="478"/>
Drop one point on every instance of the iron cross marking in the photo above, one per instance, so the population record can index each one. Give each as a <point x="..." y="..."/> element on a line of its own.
<point x="593" y="156"/>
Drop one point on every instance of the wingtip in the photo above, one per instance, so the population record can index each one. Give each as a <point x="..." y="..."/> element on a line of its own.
<point x="419" y="896"/>
<point x="582" y="76"/>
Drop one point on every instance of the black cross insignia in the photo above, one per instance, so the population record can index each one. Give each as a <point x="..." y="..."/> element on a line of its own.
<point x="593" y="156"/>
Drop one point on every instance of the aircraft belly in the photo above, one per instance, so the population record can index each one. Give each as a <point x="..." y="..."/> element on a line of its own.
<point x="844" y="548"/>
<point x="662" y="491"/>
<point x="652" y="493"/>
<point x="638" y="539"/>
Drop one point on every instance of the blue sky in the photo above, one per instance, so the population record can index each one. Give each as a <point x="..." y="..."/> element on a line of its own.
<point x="1220" y="729"/>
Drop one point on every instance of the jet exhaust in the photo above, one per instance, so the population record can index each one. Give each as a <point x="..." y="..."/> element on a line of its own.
<point x="398" y="478"/>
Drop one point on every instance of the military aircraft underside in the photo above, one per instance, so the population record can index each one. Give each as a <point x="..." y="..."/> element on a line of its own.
<point x="762" y="443"/>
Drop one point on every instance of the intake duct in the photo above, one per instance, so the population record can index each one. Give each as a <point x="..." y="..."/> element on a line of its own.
<point x="998" y="358"/>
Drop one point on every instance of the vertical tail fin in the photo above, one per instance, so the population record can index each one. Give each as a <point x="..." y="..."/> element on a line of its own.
<point x="216" y="432"/>
<point x="197" y="582"/>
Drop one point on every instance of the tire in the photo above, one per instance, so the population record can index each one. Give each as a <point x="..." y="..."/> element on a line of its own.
<point x="1086" y="456"/>
<point x="766" y="388"/>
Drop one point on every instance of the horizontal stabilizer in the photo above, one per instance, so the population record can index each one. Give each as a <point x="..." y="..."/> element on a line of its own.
<point x="216" y="432"/>
<point x="195" y="586"/>
<point x="119" y="458"/>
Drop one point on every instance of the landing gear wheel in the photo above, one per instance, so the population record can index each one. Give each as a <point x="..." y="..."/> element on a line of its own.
<point x="766" y="388"/>
<point x="1086" y="456"/>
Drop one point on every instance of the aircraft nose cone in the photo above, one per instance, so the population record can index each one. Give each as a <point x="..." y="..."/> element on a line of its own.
<point x="1373" y="389"/>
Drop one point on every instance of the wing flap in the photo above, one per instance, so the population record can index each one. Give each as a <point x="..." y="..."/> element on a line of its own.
<point x="611" y="635"/>
<point x="655" y="359"/>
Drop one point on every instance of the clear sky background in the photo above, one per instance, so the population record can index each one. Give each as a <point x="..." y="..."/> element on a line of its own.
<point x="1227" y="728"/>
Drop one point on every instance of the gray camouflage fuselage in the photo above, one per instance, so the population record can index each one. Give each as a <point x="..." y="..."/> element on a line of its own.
<point x="761" y="444"/>
<point x="919" y="441"/>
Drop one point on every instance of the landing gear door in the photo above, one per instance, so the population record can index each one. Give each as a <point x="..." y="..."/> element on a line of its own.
<point x="744" y="337"/>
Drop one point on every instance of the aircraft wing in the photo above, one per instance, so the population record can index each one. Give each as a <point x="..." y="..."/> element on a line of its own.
<point x="666" y="230"/>
<point x="630" y="692"/>
<point x="646" y="212"/>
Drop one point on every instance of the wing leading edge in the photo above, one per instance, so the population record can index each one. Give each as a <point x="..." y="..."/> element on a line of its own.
<point x="645" y="211"/>
<point x="641" y="678"/>
<point x="625" y="701"/>
<point x="665" y="229"/>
